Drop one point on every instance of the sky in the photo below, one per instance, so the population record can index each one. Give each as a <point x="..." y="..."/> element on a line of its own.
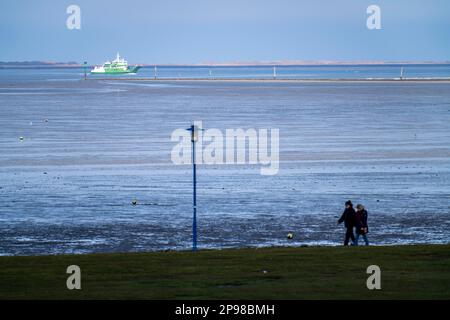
<point x="199" y="31"/>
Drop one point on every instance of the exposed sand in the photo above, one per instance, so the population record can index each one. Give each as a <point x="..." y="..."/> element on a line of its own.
<point x="68" y="186"/>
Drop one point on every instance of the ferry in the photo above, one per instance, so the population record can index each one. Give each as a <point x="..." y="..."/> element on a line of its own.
<point x="117" y="66"/>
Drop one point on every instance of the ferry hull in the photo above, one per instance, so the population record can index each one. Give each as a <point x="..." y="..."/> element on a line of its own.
<point x="115" y="71"/>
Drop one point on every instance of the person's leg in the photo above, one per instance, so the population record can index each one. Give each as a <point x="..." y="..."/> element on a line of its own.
<point x="347" y="237"/>
<point x="357" y="239"/>
<point x="365" y="239"/>
<point x="352" y="236"/>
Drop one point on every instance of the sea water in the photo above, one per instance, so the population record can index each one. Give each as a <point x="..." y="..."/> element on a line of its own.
<point x="90" y="148"/>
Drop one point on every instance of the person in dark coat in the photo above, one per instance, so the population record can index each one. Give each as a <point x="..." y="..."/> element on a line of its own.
<point x="348" y="217"/>
<point x="361" y="224"/>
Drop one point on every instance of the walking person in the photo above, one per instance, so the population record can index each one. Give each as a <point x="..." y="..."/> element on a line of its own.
<point x="361" y="224"/>
<point x="348" y="217"/>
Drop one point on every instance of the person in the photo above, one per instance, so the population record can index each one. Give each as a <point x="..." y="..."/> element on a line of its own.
<point x="348" y="217"/>
<point x="361" y="224"/>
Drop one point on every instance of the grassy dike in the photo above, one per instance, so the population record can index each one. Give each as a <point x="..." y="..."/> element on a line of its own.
<point x="407" y="272"/>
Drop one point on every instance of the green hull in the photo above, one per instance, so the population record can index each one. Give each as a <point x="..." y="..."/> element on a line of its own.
<point x="118" y="71"/>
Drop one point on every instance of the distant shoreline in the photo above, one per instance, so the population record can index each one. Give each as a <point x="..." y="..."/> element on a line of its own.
<point x="72" y="65"/>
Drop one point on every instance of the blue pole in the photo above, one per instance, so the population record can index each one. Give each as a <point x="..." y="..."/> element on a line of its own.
<point x="194" y="173"/>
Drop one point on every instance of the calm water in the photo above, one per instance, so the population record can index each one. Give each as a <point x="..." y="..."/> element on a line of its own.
<point x="261" y="72"/>
<point x="68" y="186"/>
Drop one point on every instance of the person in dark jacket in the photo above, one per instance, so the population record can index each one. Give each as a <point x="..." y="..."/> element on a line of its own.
<point x="348" y="217"/>
<point x="361" y="224"/>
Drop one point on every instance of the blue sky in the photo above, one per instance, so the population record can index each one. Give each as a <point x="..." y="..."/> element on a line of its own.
<point x="195" y="31"/>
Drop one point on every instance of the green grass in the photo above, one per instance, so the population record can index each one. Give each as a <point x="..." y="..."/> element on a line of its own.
<point x="408" y="272"/>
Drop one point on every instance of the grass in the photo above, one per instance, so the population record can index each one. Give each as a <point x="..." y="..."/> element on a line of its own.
<point x="407" y="272"/>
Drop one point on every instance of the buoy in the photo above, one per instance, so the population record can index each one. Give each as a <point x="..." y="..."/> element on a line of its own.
<point x="290" y="236"/>
<point x="21" y="138"/>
